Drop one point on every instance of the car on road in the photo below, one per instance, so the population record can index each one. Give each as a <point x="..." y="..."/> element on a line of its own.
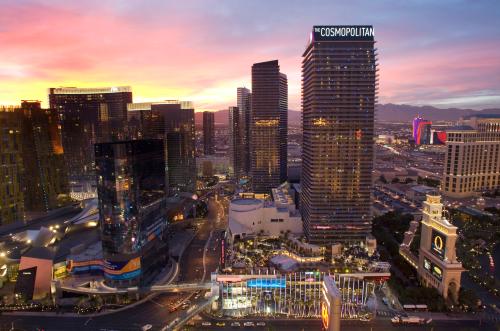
<point x="249" y="324"/>
<point x="220" y="324"/>
<point x="206" y="323"/>
<point x="261" y="323"/>
<point x="233" y="324"/>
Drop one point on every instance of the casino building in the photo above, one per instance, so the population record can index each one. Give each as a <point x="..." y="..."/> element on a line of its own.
<point x="437" y="264"/>
<point x="422" y="131"/>
<point x="131" y="191"/>
<point x="339" y="92"/>
<point x="472" y="160"/>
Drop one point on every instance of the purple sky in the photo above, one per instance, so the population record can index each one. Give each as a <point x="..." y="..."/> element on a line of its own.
<point x="444" y="53"/>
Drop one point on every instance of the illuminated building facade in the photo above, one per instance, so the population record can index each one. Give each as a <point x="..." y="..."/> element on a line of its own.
<point x="422" y="131"/>
<point x="437" y="265"/>
<point x="268" y="127"/>
<point x="298" y="294"/>
<point x="208" y="133"/>
<point x="11" y="165"/>
<point x="172" y="121"/>
<point x="33" y="171"/>
<point x="244" y="104"/>
<point x="43" y="158"/>
<point x="331" y="305"/>
<point x="472" y="160"/>
<point x="132" y="209"/>
<point x="339" y="93"/>
<point x="438" y="137"/>
<point x="88" y="116"/>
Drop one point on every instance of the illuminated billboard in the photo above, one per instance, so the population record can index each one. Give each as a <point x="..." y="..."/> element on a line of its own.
<point x="325" y="315"/>
<point x="438" y="244"/>
<point x="342" y="32"/>
<point x="123" y="269"/>
<point x="267" y="283"/>
<point x="433" y="269"/>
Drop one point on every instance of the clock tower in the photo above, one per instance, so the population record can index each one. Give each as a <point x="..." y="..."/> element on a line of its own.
<point x="437" y="263"/>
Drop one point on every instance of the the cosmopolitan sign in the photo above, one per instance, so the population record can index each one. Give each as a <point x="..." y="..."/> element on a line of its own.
<point x="343" y="32"/>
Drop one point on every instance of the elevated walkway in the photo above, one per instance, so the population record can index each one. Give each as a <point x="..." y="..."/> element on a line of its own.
<point x="98" y="287"/>
<point x="180" y="321"/>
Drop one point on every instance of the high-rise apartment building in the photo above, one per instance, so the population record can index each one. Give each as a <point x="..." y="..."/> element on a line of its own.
<point x="172" y="121"/>
<point x="208" y="133"/>
<point x="132" y="209"/>
<point x="88" y="116"/>
<point x="339" y="93"/>
<point x="268" y="127"/>
<point x="244" y="104"/>
<point x="45" y="171"/>
<point x="11" y="165"/>
<point x="472" y="160"/>
<point x="33" y="173"/>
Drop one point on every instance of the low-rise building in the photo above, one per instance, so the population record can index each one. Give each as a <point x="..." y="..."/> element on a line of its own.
<point x="250" y="216"/>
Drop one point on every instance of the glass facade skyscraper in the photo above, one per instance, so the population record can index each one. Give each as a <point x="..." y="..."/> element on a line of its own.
<point x="268" y="127"/>
<point x="339" y="93"/>
<point x="45" y="170"/>
<point x="236" y="141"/>
<point x="244" y="104"/>
<point x="88" y="116"/>
<point x="132" y="209"/>
<point x="172" y="121"/>
<point x="208" y="133"/>
<point x="11" y="163"/>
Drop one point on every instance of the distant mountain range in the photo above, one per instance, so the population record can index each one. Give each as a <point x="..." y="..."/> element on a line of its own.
<point x="404" y="113"/>
<point x="385" y="113"/>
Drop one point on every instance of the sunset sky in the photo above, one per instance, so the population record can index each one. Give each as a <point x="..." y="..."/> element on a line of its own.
<point x="444" y="53"/>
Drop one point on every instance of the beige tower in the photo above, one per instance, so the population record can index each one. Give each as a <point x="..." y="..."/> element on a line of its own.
<point x="437" y="263"/>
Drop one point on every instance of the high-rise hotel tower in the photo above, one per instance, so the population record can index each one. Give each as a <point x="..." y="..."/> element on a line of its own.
<point x="339" y="92"/>
<point x="244" y="104"/>
<point x="268" y="127"/>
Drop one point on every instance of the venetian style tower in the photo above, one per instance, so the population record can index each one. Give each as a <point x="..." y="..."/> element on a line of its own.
<point x="437" y="264"/>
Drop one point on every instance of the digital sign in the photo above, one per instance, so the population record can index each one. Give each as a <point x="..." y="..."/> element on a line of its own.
<point x="433" y="269"/>
<point x="267" y="283"/>
<point x="123" y="269"/>
<point x="438" y="244"/>
<point x="342" y="33"/>
<point x="325" y="315"/>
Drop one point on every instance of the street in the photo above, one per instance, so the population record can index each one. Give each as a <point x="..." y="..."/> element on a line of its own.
<point x="154" y="311"/>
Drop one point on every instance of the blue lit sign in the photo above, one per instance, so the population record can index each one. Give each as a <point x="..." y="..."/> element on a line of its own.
<point x="267" y="283"/>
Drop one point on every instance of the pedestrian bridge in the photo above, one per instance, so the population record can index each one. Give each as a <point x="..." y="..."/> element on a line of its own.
<point x="186" y="287"/>
<point x="99" y="288"/>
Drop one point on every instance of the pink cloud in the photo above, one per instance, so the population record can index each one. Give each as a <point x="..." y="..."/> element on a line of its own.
<point x="205" y="53"/>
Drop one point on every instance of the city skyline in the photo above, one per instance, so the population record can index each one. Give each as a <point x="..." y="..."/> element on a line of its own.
<point x="452" y="61"/>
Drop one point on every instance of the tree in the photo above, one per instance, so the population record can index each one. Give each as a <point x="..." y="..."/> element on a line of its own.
<point x="468" y="299"/>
